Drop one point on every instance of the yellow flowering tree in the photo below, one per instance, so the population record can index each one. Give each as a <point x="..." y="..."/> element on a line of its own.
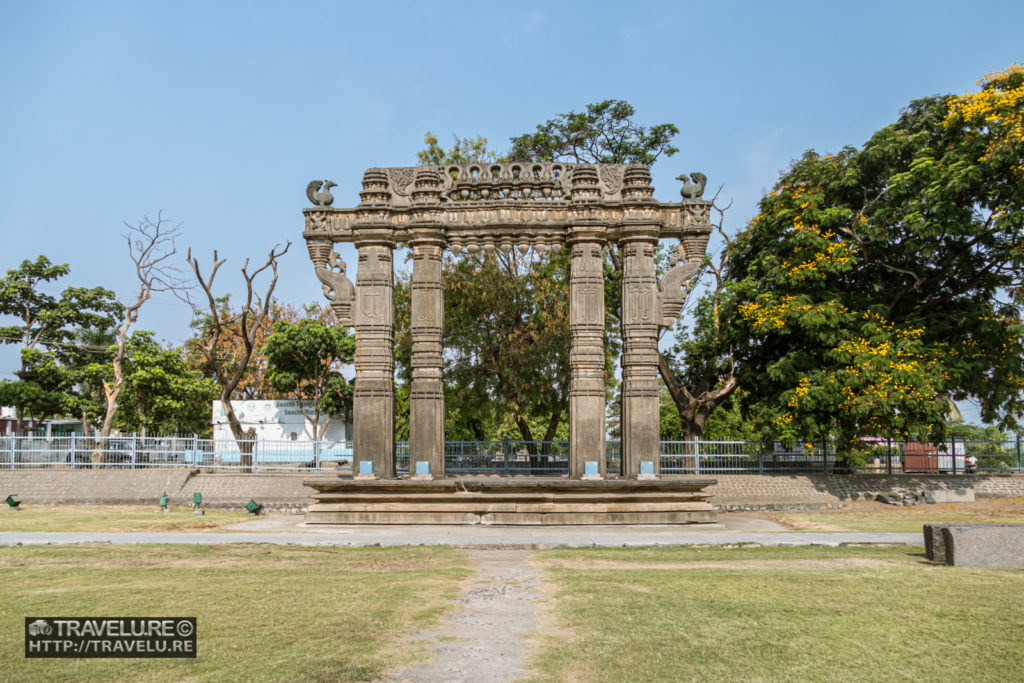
<point x="878" y="284"/>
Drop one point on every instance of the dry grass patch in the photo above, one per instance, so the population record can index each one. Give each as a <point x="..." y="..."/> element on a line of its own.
<point x="872" y="516"/>
<point x="788" y="613"/>
<point x="264" y="612"/>
<point x="114" y="518"/>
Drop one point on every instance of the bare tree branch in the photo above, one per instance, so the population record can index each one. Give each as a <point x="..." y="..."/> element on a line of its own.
<point x="249" y="319"/>
<point x="150" y="246"/>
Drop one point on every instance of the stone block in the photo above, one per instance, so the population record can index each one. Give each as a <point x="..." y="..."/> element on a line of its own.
<point x="949" y="496"/>
<point x="934" y="545"/>
<point x="510" y="501"/>
<point x="990" y="546"/>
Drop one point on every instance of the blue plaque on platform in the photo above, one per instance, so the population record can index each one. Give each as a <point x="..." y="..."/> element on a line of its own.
<point x="422" y="467"/>
<point x="646" y="467"/>
<point x="365" y="467"/>
<point x="590" y="467"/>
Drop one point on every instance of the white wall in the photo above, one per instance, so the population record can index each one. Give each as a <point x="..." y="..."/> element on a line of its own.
<point x="276" y="420"/>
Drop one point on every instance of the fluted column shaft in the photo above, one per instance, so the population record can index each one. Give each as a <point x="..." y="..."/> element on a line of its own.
<point x="640" y="318"/>
<point x="586" y="327"/>
<point x="426" y="392"/>
<point x="374" y="393"/>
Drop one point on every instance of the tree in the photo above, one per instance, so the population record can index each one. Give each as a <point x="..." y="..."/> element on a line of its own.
<point x="45" y="323"/>
<point x="876" y="284"/>
<point x="243" y="325"/>
<point x="150" y="246"/>
<point x="464" y="151"/>
<point x="42" y="389"/>
<point x="255" y="383"/>
<point x="305" y="360"/>
<point x="160" y="393"/>
<point x="506" y="345"/>
<point x="605" y="133"/>
<point x="87" y="361"/>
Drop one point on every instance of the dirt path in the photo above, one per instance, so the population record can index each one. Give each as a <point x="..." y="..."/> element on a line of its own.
<point x="483" y="640"/>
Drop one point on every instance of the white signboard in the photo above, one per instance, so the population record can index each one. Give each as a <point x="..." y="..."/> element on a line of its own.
<point x="275" y="420"/>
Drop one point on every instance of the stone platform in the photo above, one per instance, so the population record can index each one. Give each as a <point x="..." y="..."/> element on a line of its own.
<point x="512" y="501"/>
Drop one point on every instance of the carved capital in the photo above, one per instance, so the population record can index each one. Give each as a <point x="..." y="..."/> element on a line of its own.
<point x="637" y="184"/>
<point x="319" y="251"/>
<point x="375" y="187"/>
<point x="585" y="187"/>
<point x="427" y="186"/>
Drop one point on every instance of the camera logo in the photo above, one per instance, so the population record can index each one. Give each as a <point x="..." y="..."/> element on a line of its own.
<point x="40" y="627"/>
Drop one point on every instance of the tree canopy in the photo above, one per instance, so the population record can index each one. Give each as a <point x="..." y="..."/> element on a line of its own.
<point x="45" y="324"/>
<point x="304" y="360"/>
<point x="605" y="133"/>
<point x="160" y="393"/>
<point x="877" y="284"/>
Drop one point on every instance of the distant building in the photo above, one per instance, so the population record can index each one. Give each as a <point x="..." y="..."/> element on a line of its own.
<point x="283" y="435"/>
<point x="277" y="421"/>
<point x="33" y="427"/>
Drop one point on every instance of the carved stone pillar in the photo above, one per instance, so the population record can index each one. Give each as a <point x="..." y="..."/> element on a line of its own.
<point x="641" y="315"/>
<point x="373" y="410"/>
<point x="641" y="441"/>
<point x="426" y="392"/>
<point x="586" y="328"/>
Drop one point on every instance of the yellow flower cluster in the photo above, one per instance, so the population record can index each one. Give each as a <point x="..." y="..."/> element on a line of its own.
<point x="997" y="109"/>
<point x="802" y="389"/>
<point x="765" y="318"/>
<point x="903" y="333"/>
<point x="783" y="420"/>
<point x="834" y="253"/>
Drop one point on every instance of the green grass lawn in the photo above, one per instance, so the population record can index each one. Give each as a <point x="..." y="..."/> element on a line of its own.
<point x="113" y="518"/>
<point x="801" y="613"/>
<point x="879" y="517"/>
<point x="277" y="613"/>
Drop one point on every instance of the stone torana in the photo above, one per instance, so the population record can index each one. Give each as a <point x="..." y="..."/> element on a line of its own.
<point x="476" y="208"/>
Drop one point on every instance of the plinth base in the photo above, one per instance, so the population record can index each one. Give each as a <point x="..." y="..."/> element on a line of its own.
<point x="525" y="501"/>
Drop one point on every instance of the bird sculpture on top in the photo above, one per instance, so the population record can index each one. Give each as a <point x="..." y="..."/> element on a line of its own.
<point x="324" y="198"/>
<point x="695" y="189"/>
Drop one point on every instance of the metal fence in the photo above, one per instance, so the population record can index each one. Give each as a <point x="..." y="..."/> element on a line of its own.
<point x="502" y="458"/>
<point x="507" y="457"/>
<point x="136" y="452"/>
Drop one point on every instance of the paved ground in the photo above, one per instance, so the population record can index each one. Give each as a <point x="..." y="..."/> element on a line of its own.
<point x="286" y="529"/>
<point x="472" y="537"/>
<point x="484" y="640"/>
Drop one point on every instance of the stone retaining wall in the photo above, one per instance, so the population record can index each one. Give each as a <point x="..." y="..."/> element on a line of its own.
<point x="778" y="491"/>
<point x="286" y="491"/>
<point x="133" y="487"/>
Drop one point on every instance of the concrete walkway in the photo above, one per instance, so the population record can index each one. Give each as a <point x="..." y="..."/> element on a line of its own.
<point x="472" y="537"/>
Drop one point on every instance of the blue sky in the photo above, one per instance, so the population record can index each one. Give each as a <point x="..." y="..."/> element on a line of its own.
<point x="219" y="113"/>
